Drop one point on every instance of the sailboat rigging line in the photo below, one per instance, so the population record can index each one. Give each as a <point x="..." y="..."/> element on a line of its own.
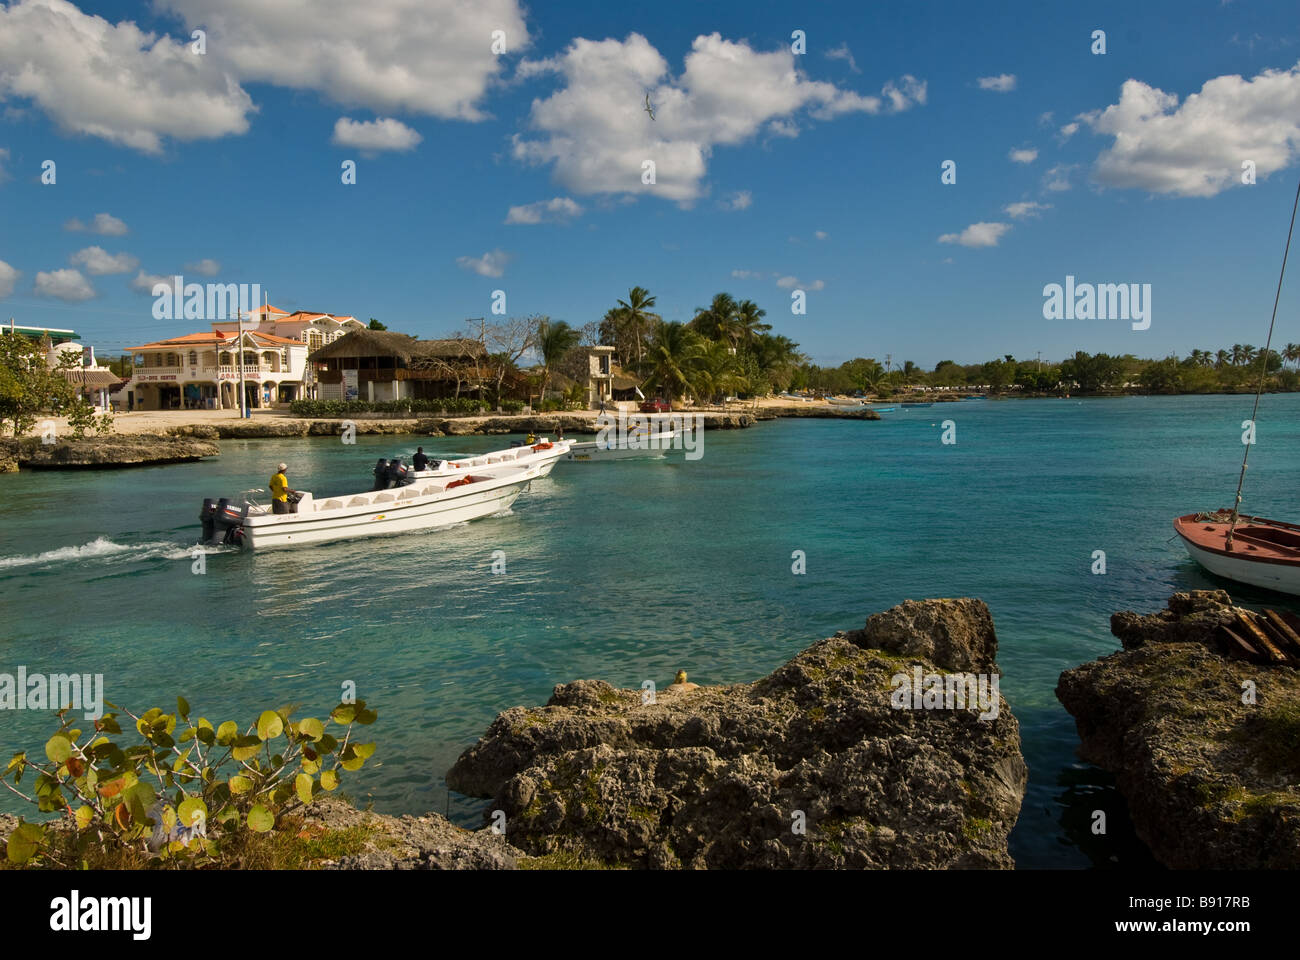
<point x="1263" y="368"/>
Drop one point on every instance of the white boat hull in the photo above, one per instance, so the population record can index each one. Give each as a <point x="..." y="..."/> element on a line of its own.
<point x="1284" y="578"/>
<point x="634" y="447"/>
<point x="544" y="460"/>
<point x="386" y="512"/>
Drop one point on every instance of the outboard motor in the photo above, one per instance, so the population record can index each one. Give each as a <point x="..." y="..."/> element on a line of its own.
<point x="381" y="474"/>
<point x="207" y="518"/>
<point x="230" y="521"/>
<point x="399" y="473"/>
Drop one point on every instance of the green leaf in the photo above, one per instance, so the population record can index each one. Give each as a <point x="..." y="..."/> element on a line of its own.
<point x="260" y="819"/>
<point x="58" y="748"/>
<point x="329" y="780"/>
<point x="302" y="785"/>
<point x="269" y="725"/>
<point x="239" y="784"/>
<point x="246" y="748"/>
<point x="24" y="841"/>
<point x="84" y="817"/>
<point x="311" y="727"/>
<point x="192" y="811"/>
<point x="227" y="732"/>
<point x="366" y="716"/>
<point x="183" y="707"/>
<point x="326" y="744"/>
<point x="364" y="750"/>
<point x="344" y="713"/>
<point x="139" y="797"/>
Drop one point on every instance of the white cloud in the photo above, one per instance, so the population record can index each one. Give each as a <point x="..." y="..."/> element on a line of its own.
<point x="978" y="235"/>
<point x="820" y="234"/>
<point x="555" y="210"/>
<point x="144" y="282"/>
<point x="747" y="274"/>
<point x="116" y="82"/>
<point x="104" y="224"/>
<point x="790" y="283"/>
<point x="374" y="135"/>
<point x="1057" y="179"/>
<point x="1025" y="208"/>
<point x="1067" y="131"/>
<point x="8" y="277"/>
<point x="595" y="132"/>
<point x="1026" y="155"/>
<point x="842" y="52"/>
<point x="207" y="267"/>
<point x="65" y="284"/>
<point x="1196" y="149"/>
<point x="491" y="264"/>
<point x="740" y="200"/>
<point x="430" y="57"/>
<point x="1045" y="118"/>
<point x="100" y="263"/>
<point x="1002" y="83"/>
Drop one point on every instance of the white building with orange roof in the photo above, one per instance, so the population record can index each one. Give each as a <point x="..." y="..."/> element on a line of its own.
<point x="202" y="370"/>
<point x="308" y="327"/>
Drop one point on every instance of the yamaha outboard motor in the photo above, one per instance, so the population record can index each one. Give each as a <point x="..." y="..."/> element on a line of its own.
<point x="381" y="474"/>
<point x="230" y="520"/>
<point x="207" y="518"/>
<point x="399" y="473"/>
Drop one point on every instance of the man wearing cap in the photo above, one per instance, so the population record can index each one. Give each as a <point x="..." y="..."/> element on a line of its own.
<point x="280" y="492"/>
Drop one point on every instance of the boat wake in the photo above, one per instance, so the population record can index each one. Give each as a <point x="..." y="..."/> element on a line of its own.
<point x="104" y="549"/>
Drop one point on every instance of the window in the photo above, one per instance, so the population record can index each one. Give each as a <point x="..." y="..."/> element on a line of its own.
<point x="194" y="358"/>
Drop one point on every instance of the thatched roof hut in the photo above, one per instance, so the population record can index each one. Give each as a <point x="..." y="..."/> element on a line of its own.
<point x="400" y="346"/>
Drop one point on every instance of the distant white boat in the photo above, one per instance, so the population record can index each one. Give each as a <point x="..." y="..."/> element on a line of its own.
<point x="639" y="445"/>
<point x="416" y="506"/>
<point x="543" y="454"/>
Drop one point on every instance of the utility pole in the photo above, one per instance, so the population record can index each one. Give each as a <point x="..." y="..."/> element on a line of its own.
<point x="239" y="358"/>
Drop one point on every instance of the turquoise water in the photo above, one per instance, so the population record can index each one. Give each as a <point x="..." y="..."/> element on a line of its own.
<point x="630" y="571"/>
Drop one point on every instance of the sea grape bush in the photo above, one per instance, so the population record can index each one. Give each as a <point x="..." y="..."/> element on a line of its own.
<point x="448" y="405"/>
<point x="181" y="791"/>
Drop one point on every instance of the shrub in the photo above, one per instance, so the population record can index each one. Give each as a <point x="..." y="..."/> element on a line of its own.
<point x="218" y="784"/>
<point x="81" y="417"/>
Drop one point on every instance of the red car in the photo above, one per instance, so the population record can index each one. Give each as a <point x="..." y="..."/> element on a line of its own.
<point x="656" y="405"/>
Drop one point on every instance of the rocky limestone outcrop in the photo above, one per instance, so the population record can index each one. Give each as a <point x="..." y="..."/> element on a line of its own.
<point x="429" y="842"/>
<point x="725" y="777"/>
<point x="118" y="450"/>
<point x="1204" y="748"/>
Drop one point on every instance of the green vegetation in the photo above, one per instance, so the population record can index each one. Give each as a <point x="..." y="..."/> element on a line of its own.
<point x="1226" y="371"/>
<point x="188" y="793"/>
<point x="29" y="386"/>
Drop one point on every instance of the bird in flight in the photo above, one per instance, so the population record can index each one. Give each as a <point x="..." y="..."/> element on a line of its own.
<point x="649" y="109"/>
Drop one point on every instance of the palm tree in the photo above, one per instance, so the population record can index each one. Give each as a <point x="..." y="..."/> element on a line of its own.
<point x="671" y="359"/>
<point x="1236" y="354"/>
<point x="720" y="320"/>
<point x="554" y="339"/>
<point x="717" y="371"/>
<point x="777" y="358"/>
<point x="1221" y="359"/>
<point x="749" y="321"/>
<point x="636" y="319"/>
<point x="1291" y="353"/>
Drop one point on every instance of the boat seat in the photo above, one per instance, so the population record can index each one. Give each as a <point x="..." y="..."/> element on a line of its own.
<point x="384" y="498"/>
<point x="359" y="502"/>
<point x="331" y="505"/>
<point x="408" y="494"/>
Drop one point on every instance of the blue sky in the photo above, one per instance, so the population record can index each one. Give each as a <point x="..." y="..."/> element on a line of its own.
<point x="775" y="171"/>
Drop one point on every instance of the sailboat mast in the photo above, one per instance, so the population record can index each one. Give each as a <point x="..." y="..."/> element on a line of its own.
<point x="1263" y="368"/>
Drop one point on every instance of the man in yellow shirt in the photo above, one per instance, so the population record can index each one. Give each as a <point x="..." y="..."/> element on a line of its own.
<point x="280" y="492"/>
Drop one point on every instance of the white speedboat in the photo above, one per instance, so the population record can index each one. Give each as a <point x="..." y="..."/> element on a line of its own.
<point x="636" y="445"/>
<point x="414" y="506"/>
<point x="543" y="454"/>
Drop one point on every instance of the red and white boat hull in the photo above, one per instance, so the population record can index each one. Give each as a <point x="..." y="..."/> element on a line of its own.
<point x="1264" y="553"/>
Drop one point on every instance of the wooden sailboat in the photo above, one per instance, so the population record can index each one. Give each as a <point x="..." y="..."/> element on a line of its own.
<point x="1230" y="544"/>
